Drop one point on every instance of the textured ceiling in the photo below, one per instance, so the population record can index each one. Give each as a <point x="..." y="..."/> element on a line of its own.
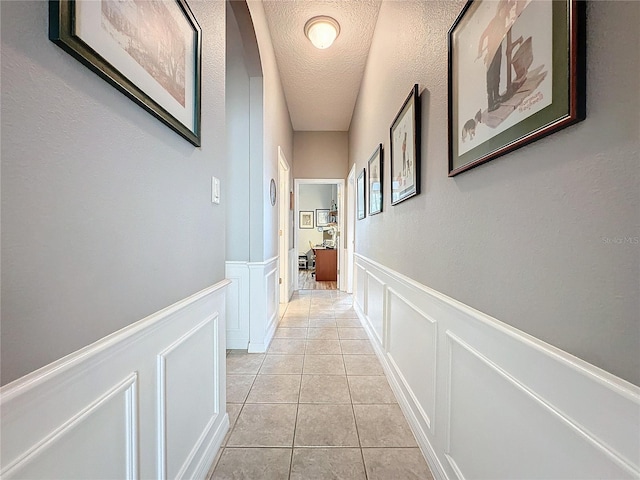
<point x="321" y="86"/>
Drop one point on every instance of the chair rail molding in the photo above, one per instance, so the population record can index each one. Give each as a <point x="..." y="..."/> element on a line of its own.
<point x="144" y="402"/>
<point x="481" y="396"/>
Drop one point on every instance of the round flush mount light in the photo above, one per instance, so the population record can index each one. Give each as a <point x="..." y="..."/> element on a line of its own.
<point x="322" y="31"/>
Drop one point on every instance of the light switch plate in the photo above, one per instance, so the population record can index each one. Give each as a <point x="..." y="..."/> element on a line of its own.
<point x="215" y="190"/>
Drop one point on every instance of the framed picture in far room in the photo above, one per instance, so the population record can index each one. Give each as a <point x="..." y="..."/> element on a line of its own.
<point x="306" y="219"/>
<point x="405" y="150"/>
<point x="322" y="217"/>
<point x="361" y="189"/>
<point x="375" y="181"/>
<point x="516" y="74"/>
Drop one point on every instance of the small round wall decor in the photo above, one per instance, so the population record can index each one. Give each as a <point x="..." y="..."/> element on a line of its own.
<point x="272" y="192"/>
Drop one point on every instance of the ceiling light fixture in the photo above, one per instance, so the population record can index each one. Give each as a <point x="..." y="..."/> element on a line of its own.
<point x="322" y="31"/>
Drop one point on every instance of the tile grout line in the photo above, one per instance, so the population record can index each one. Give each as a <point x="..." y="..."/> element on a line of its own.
<point x="295" y="423"/>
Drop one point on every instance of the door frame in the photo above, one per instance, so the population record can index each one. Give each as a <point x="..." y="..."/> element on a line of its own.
<point x="283" y="225"/>
<point x="339" y="183"/>
<point x="351" y="228"/>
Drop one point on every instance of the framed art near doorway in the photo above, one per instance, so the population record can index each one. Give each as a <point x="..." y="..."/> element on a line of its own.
<point x="306" y="219"/>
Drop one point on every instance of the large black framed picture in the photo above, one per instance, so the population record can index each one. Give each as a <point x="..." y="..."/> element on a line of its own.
<point x="516" y="74"/>
<point x="405" y="150"/>
<point x="375" y="181"/>
<point x="149" y="50"/>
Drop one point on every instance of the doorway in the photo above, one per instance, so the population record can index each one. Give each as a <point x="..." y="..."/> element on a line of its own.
<point x="318" y="240"/>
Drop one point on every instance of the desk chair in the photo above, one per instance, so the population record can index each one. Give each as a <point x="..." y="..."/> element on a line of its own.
<point x="312" y="260"/>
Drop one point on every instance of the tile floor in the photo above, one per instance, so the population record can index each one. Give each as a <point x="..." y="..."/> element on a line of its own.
<point x="317" y="405"/>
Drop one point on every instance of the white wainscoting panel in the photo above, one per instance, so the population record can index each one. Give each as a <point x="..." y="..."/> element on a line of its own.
<point x="518" y="427"/>
<point x="273" y="300"/>
<point x="254" y="304"/>
<point x="237" y="305"/>
<point x="185" y="382"/>
<point x="487" y="401"/>
<point x="293" y="271"/>
<point x="360" y="290"/>
<point x="375" y="305"/>
<point x="96" y="412"/>
<point x="411" y="346"/>
<point x="109" y="426"/>
<point x="263" y="303"/>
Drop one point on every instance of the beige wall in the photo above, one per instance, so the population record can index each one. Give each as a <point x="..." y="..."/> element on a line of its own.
<point x="544" y="238"/>
<point x="320" y="154"/>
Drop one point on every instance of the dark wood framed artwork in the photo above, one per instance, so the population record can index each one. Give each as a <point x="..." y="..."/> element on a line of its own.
<point x="361" y="191"/>
<point x="376" y="181"/>
<point x="405" y="150"/>
<point x="150" y="51"/>
<point x="516" y="74"/>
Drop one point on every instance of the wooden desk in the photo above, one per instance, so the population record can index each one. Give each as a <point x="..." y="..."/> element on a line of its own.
<point x="326" y="265"/>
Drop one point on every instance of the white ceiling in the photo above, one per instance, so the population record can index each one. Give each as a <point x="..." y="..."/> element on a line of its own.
<point x="321" y="86"/>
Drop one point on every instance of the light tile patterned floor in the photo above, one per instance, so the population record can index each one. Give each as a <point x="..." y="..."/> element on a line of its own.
<point x="317" y="405"/>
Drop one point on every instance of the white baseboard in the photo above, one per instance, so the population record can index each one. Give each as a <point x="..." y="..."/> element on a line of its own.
<point x="486" y="400"/>
<point x="147" y="401"/>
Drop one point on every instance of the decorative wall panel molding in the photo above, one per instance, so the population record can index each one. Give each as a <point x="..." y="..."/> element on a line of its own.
<point x="376" y="290"/>
<point x="486" y="400"/>
<point x="359" y="287"/>
<point x="411" y="342"/>
<point x="263" y="303"/>
<point x="120" y="444"/>
<point x="255" y="299"/>
<point x="97" y="413"/>
<point x="237" y="305"/>
<point x="185" y="381"/>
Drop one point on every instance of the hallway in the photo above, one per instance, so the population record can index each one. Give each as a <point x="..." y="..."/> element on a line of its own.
<point x="317" y="404"/>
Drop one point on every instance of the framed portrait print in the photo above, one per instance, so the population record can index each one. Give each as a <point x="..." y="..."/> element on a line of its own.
<point x="361" y="189"/>
<point x="375" y="181"/>
<point x="405" y="150"/>
<point x="306" y="219"/>
<point x="322" y="217"/>
<point x="149" y="50"/>
<point x="516" y="74"/>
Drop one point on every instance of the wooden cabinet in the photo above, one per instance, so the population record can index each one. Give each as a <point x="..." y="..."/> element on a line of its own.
<point x="326" y="265"/>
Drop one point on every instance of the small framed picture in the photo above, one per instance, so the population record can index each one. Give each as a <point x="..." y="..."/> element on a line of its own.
<point x="375" y="181"/>
<point x="361" y="187"/>
<point x="405" y="150"/>
<point x="306" y="219"/>
<point x="516" y="74"/>
<point x="322" y="217"/>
